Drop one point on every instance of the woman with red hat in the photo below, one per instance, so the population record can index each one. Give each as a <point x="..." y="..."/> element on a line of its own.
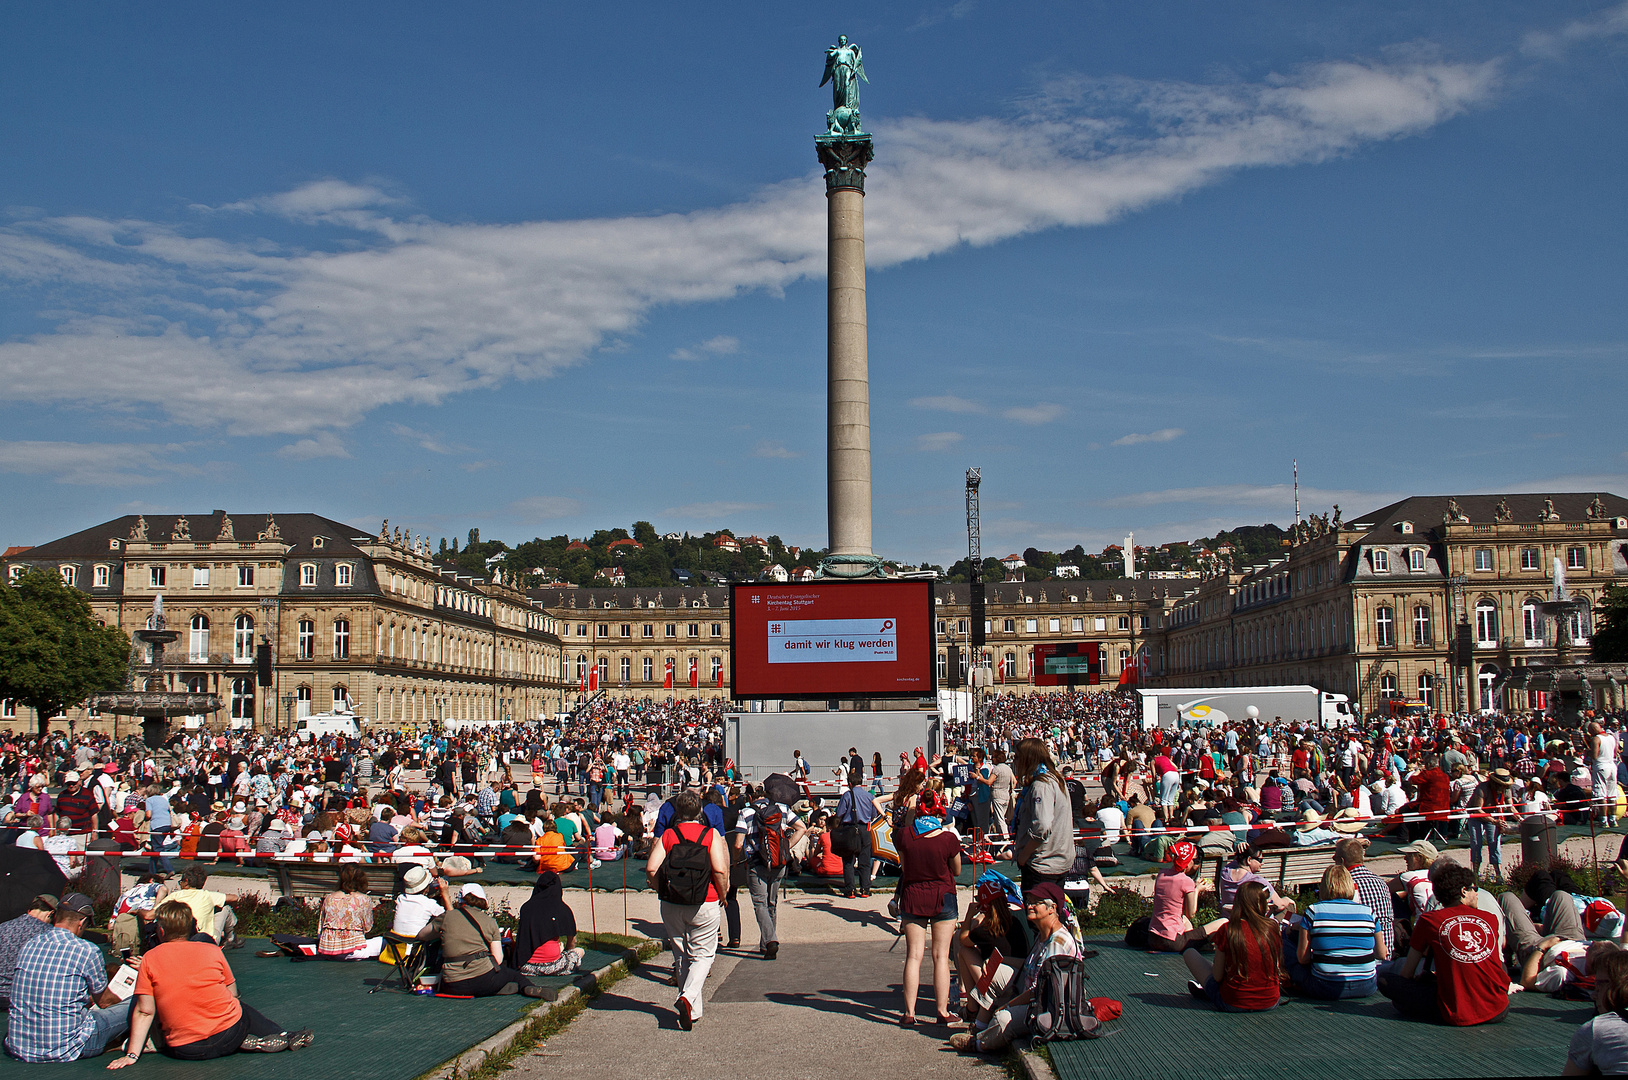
<point x="1175" y="901"/>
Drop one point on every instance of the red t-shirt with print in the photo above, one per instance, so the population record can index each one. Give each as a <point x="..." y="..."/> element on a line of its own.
<point x="1471" y="984"/>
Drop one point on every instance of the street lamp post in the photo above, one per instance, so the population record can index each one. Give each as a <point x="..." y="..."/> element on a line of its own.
<point x="288" y="709"/>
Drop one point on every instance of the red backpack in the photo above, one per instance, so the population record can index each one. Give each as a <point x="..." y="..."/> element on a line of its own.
<point x="771" y="834"/>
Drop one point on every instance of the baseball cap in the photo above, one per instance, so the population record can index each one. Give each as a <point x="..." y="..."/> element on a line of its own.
<point x="78" y="902"/>
<point x="49" y="898"/>
<point x="71" y="777"/>
<point x="1421" y="847"/>
<point x="1047" y="890"/>
<point x="471" y="890"/>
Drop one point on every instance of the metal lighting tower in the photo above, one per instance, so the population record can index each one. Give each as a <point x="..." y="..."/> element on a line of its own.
<point x="975" y="577"/>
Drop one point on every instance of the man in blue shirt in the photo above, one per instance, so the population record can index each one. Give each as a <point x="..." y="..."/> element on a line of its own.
<point x="858" y="807"/>
<point x="61" y="1006"/>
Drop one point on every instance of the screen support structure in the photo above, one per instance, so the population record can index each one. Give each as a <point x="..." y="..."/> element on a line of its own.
<point x="975" y="579"/>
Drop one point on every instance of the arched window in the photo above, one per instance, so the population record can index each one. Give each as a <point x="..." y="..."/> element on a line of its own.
<point x="1532" y="623"/>
<point x="198" y="646"/>
<point x="1427" y="688"/>
<point x="1387" y="687"/>
<point x="1385" y="631"/>
<point x="243" y="640"/>
<point x="341" y="698"/>
<point x="1486" y="623"/>
<point x="1009" y="666"/>
<point x="303" y="708"/>
<point x="1579" y="626"/>
<point x="717" y="668"/>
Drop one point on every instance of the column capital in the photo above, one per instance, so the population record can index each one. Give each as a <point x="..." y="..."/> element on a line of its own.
<point x="844" y="158"/>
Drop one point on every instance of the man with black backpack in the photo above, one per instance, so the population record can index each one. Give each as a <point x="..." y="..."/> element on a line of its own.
<point x="689" y="869"/>
<point x="768" y="829"/>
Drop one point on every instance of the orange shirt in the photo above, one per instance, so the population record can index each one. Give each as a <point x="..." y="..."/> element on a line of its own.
<point x="188" y="981"/>
<point x="551" y="853"/>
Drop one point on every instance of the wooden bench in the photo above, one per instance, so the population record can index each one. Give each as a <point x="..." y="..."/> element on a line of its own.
<point x="301" y="879"/>
<point x="1287" y="868"/>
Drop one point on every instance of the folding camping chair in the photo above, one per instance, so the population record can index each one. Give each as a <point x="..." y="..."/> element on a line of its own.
<point x="408" y="955"/>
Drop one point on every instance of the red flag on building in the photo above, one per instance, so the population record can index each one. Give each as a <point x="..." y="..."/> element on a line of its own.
<point x="667" y="680"/>
<point x="593" y="679"/>
<point x="582" y="682"/>
<point x="695" y="673"/>
<point x="720" y="676"/>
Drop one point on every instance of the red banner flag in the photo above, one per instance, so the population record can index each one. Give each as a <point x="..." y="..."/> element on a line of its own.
<point x="593" y="679"/>
<point x="720" y="676"/>
<point x="695" y="673"/>
<point x="667" y="682"/>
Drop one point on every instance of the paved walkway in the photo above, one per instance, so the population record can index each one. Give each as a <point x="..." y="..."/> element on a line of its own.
<point x="827" y="1008"/>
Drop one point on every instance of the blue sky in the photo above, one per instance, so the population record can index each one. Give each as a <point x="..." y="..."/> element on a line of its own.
<point x="540" y="269"/>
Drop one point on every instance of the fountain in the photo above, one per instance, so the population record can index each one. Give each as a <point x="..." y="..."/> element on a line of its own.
<point x="154" y="707"/>
<point x="1568" y="684"/>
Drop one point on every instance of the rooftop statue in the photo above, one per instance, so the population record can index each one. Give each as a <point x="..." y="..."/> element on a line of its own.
<point x="844" y="70"/>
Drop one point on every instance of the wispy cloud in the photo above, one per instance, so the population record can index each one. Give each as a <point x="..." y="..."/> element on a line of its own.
<point x="722" y="345"/>
<point x="948" y="403"/>
<point x="544" y="507"/>
<point x="1169" y="434"/>
<point x="1553" y="44"/>
<point x="1033" y="414"/>
<point x="100" y="464"/>
<point x="164" y="320"/>
<point x="769" y="449"/>
<point x="711" y="511"/>
<point x="1043" y="413"/>
<point x="324" y="444"/>
<point x="1254" y="497"/>
<point x="937" y="13"/>
<point x="938" y="441"/>
<point x="428" y="440"/>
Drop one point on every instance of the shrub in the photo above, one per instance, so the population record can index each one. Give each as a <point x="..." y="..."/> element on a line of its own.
<point x="1117" y="908"/>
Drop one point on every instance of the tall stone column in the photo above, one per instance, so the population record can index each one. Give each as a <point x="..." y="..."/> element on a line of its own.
<point x="848" y="409"/>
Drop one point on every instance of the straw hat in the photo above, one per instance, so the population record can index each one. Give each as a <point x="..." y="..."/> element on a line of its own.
<point x="417" y="879"/>
<point x="1311" y="819"/>
<point x="1349" y="821"/>
<point x="1501" y="777"/>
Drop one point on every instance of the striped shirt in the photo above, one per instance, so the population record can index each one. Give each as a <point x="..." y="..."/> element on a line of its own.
<point x="1342" y="940"/>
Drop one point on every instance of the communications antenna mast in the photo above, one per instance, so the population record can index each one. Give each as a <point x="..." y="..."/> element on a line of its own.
<point x="975" y="577"/>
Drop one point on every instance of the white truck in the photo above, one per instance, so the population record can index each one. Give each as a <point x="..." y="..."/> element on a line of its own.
<point x="1212" y="706"/>
<point x="317" y="725"/>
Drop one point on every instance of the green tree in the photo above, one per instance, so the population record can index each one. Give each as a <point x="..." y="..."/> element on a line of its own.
<point x="53" y="653"/>
<point x="1610" y="641"/>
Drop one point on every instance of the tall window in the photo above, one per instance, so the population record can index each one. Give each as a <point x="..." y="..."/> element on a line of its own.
<point x="1532" y="623"/>
<point x="1007" y="626"/>
<point x="303" y="707"/>
<point x="1031" y="626"/>
<point x="99" y="577"/>
<point x="155" y="576"/>
<point x="200" y="577"/>
<point x="649" y="669"/>
<point x="1579" y="627"/>
<point x="341" y="698"/>
<point x="1484" y="679"/>
<point x="717" y="629"/>
<point x="198" y="646"/>
<point x="1486" y="623"/>
<point x="341" y="639"/>
<point x="308" y="574"/>
<point x="671" y="630"/>
<point x="604" y="670"/>
<point x="1576" y="558"/>
<point x="1427" y="688"/>
<point x="1529" y="559"/>
<point x="243" y="699"/>
<point x="1009" y="666"/>
<point x="1382" y="561"/>
<point x="717" y="667"/>
<point x="1416" y="559"/>
<point x="243" y="640"/>
<point x="1384" y="628"/>
<point x="245" y="576"/>
<point x="307" y="640"/>
<point x="1387" y="687"/>
<point x="582" y="667"/>
<point x="1483" y="558"/>
<point x="342" y="575"/>
<point x="626" y="668"/>
<point x="695" y="630"/>
<point x="648" y="631"/>
<point x="1421" y="625"/>
<point x="627" y="630"/>
<point x="1054" y="626"/>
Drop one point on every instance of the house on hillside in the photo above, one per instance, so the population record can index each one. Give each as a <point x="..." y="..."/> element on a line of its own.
<point x="612" y="575"/>
<point x="776" y="573"/>
<point x="672" y="536"/>
<point x="631" y="544"/>
<point x="1013" y="562"/>
<point x="1067" y="570"/>
<point x="755" y="541"/>
<point x="802" y="573"/>
<point x="577" y="545"/>
<point x="726" y="542"/>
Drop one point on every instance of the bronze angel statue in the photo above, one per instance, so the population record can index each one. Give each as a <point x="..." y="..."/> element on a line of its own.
<point x="844" y="70"/>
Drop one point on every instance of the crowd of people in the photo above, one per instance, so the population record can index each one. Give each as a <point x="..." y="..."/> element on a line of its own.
<point x="1061" y="784"/>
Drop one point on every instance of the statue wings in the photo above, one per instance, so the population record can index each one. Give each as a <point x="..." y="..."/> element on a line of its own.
<point x="831" y="63"/>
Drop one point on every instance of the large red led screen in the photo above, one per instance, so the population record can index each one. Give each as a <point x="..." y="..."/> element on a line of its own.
<point x="831" y="639"/>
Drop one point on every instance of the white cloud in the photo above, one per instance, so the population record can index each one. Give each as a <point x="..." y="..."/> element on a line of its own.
<point x="722" y="345"/>
<point x="105" y="464"/>
<point x="1552" y="44"/>
<point x="1168" y="434"/>
<point x="1033" y="414"/>
<point x="428" y="440"/>
<point x="711" y="511"/>
<point x="322" y="444"/>
<point x="544" y="507"/>
<point x="938" y="441"/>
<point x="160" y="319"/>
<point x="1275" y="499"/>
<point x="947" y="403"/>
<point x="769" y="449"/>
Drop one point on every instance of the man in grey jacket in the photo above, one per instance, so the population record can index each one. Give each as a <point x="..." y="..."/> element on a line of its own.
<point x="1044" y="829"/>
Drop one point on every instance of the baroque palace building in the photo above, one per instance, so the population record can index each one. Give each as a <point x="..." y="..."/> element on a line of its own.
<point x="349" y="617"/>
<point x="1432" y="599"/>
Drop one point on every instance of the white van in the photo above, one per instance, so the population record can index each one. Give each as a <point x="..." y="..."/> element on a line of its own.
<point x="317" y="725"/>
